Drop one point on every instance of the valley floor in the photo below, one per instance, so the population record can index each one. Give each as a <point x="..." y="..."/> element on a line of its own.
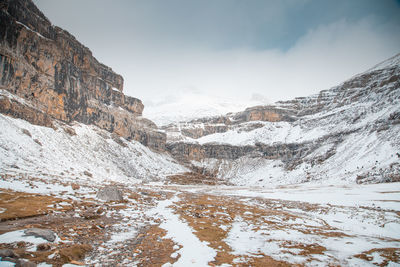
<point x="198" y="225"/>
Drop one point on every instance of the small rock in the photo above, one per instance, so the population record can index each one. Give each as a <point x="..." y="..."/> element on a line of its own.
<point x="25" y="131"/>
<point x="100" y="210"/>
<point x="70" y="131"/>
<point x="75" y="186"/>
<point x="88" y="174"/>
<point x="77" y="263"/>
<point x="43" y="233"/>
<point x="7" y="253"/>
<point x="89" y="214"/>
<point x="21" y="244"/>
<point x="37" y="142"/>
<point x="14" y="166"/>
<point x="43" y="247"/>
<point x="25" y="263"/>
<point x="74" y="252"/>
<point x="110" y="193"/>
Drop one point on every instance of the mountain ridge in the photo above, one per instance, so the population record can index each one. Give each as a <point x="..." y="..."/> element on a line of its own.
<point x="289" y="134"/>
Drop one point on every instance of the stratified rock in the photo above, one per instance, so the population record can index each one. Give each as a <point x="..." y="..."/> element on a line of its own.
<point x="302" y="137"/>
<point x="265" y="113"/>
<point x="14" y="108"/>
<point x="110" y="193"/>
<point x="42" y="233"/>
<point x="58" y="78"/>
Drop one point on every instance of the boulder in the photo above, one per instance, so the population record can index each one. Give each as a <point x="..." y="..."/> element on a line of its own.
<point x="110" y="193"/>
<point x="42" y="233"/>
<point x="7" y="253"/>
<point x="25" y="263"/>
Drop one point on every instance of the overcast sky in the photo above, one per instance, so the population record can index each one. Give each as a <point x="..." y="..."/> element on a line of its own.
<point x="271" y="49"/>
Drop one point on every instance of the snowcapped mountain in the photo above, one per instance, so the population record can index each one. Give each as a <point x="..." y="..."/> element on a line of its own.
<point x="188" y="106"/>
<point x="347" y="134"/>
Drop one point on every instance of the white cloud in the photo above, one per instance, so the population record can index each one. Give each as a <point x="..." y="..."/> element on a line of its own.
<point x="324" y="57"/>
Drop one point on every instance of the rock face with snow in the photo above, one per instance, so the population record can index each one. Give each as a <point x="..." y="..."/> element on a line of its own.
<point x="59" y="78"/>
<point x="110" y="193"/>
<point x="78" y="153"/>
<point x="349" y="132"/>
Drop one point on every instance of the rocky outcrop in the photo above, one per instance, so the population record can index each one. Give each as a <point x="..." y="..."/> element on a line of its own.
<point x="382" y="81"/>
<point x="110" y="193"/>
<point x="291" y="154"/>
<point x="48" y="67"/>
<point x="205" y="126"/>
<point x="186" y="152"/>
<point x="370" y="86"/>
<point x="265" y="113"/>
<point x="46" y="234"/>
<point x="14" y="108"/>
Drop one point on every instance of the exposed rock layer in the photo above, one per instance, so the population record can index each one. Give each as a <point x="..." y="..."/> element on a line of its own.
<point x="48" y="67"/>
<point x="355" y="124"/>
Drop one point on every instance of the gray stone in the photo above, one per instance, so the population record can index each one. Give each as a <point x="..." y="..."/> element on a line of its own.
<point x="25" y="263"/>
<point x="43" y="233"/>
<point x="110" y="193"/>
<point x="7" y="253"/>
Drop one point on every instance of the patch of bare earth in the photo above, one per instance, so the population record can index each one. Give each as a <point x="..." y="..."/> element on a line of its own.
<point x="206" y="214"/>
<point x="212" y="217"/>
<point x="83" y="225"/>
<point x="19" y="205"/>
<point x="191" y="178"/>
<point x="153" y="249"/>
<point x="78" y="233"/>
<point x="387" y="254"/>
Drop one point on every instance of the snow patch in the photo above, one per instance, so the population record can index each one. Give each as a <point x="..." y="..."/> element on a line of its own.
<point x="193" y="251"/>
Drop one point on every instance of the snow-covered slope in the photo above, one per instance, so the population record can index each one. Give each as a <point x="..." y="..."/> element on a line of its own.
<point x="188" y="106"/>
<point x="78" y="152"/>
<point x="347" y="134"/>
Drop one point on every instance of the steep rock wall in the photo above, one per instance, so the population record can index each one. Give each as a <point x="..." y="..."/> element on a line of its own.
<point x="59" y="76"/>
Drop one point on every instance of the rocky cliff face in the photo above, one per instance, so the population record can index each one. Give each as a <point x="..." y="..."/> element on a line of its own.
<point x="205" y="126"/>
<point x="349" y="132"/>
<point x="59" y="78"/>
